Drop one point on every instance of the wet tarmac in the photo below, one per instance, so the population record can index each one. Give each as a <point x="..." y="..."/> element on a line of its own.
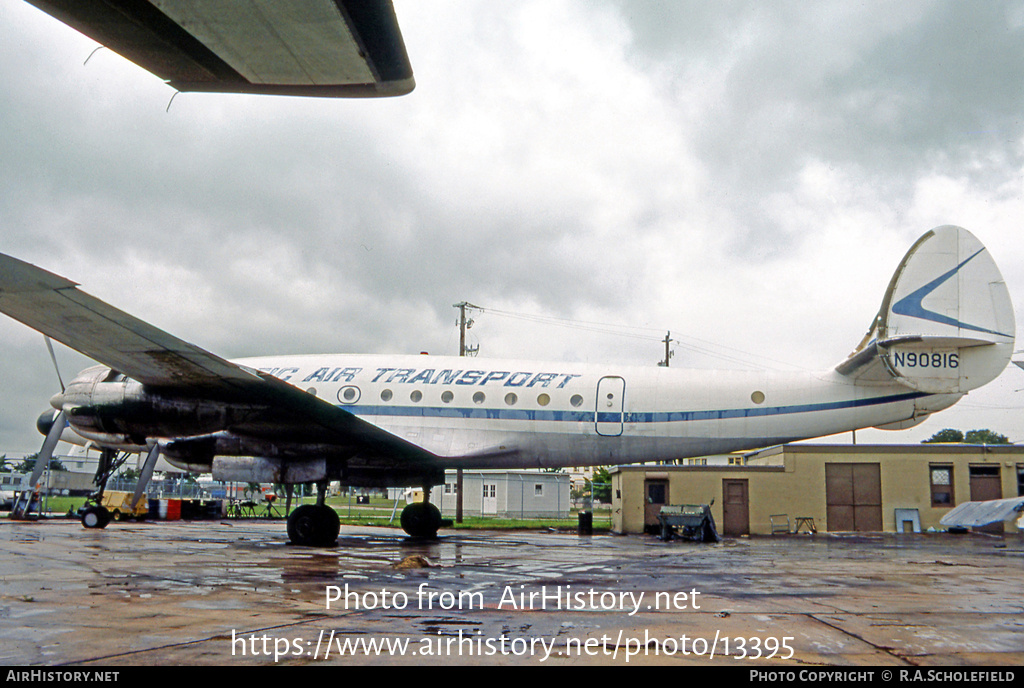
<point x="235" y="593"/>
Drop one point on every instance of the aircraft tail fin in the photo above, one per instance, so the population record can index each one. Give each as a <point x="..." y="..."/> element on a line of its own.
<point x="946" y="324"/>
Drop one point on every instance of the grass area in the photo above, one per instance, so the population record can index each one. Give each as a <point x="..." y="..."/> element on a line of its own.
<point x="379" y="513"/>
<point x="488" y="523"/>
<point x="60" y="505"/>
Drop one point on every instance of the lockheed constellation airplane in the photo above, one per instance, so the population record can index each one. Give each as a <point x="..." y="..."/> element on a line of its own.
<point x="945" y="327"/>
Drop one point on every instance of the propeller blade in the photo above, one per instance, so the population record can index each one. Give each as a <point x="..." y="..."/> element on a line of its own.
<point x="20" y="509"/>
<point x="49" y="444"/>
<point x="49" y="345"/>
<point x="147" y="473"/>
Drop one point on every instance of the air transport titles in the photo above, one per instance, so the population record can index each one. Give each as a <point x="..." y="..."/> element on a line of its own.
<point x="427" y="376"/>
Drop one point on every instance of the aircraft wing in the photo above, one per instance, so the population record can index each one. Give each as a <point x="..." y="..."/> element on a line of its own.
<point x="56" y="307"/>
<point x="330" y="48"/>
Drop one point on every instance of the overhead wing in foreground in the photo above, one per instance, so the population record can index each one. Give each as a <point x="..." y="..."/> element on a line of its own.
<point x="167" y="365"/>
<point x="327" y="48"/>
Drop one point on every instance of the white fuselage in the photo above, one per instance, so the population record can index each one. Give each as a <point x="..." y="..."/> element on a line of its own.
<point x="492" y="413"/>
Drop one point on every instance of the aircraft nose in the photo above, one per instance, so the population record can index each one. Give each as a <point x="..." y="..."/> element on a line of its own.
<point x="57" y="401"/>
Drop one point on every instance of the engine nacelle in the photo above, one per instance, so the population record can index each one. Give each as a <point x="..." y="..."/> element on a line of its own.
<point x="241" y="459"/>
<point x="102" y="403"/>
<point x="83" y="439"/>
<point x="255" y="469"/>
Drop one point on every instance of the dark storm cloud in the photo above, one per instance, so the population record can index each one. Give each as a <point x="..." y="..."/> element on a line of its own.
<point x="888" y="92"/>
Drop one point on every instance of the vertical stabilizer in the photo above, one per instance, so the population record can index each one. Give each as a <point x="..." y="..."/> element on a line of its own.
<point x="946" y="324"/>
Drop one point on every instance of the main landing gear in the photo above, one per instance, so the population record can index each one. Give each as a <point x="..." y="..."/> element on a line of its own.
<point x="317" y="525"/>
<point x="314" y="525"/>
<point x="421" y="519"/>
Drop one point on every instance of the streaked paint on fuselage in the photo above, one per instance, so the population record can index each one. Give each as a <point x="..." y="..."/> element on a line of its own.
<point x="490" y="413"/>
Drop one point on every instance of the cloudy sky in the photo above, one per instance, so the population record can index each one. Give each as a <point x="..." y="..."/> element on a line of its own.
<point x="744" y="175"/>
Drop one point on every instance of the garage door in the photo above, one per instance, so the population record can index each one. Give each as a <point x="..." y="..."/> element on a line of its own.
<point x="853" y="495"/>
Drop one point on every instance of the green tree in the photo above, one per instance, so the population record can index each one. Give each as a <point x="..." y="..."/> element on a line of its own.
<point x="28" y="464"/>
<point x="601" y="487"/>
<point x="985" y="436"/>
<point x="945" y="435"/>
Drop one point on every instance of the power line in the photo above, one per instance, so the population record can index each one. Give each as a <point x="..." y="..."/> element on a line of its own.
<point x="694" y="344"/>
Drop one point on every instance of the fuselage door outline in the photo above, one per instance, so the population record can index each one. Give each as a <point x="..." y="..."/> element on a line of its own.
<point x="611" y="396"/>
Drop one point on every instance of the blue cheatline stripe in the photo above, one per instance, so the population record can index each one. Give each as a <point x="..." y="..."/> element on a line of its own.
<point x="633" y="417"/>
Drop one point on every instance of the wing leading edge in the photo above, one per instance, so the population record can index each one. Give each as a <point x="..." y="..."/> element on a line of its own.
<point x="326" y="48"/>
<point x="56" y="307"/>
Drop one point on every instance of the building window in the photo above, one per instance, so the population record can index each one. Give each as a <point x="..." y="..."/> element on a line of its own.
<point x="942" y="485"/>
<point x="538" y="489"/>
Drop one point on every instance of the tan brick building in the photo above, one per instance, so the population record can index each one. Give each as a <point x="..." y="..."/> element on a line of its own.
<point x="836" y="488"/>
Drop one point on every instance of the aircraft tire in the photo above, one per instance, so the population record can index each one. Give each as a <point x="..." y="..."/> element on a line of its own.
<point x="313" y="526"/>
<point x="95" y="517"/>
<point x="421" y="519"/>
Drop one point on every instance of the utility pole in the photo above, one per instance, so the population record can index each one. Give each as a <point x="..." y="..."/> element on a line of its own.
<point x="465" y="324"/>
<point x="668" y="354"/>
<point x="463" y="351"/>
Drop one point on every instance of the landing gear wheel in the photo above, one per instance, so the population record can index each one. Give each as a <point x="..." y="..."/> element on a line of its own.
<point x="421" y="519"/>
<point x="95" y="517"/>
<point x="313" y="526"/>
